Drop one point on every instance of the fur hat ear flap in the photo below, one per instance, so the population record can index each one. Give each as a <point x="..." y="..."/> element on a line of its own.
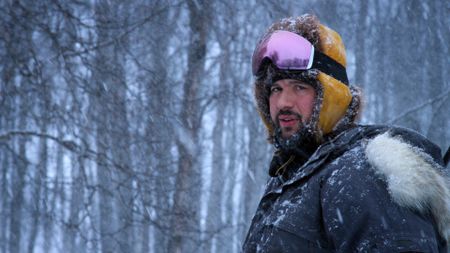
<point x="335" y="102"/>
<point x="337" y="96"/>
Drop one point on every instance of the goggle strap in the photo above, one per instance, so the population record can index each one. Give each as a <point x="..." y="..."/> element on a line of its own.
<point x="329" y="66"/>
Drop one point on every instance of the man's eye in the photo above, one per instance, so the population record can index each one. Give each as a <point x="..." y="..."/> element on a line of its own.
<point x="274" y="89"/>
<point x="300" y="87"/>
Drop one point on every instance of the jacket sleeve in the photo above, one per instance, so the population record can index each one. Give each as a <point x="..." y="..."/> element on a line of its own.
<point x="359" y="214"/>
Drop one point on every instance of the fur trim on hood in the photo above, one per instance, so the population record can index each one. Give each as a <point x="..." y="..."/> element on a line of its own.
<point x="414" y="180"/>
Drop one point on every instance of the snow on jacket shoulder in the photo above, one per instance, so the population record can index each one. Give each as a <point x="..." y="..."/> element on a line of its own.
<point x="355" y="195"/>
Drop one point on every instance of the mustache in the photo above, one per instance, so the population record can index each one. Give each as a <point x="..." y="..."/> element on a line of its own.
<point x="289" y="112"/>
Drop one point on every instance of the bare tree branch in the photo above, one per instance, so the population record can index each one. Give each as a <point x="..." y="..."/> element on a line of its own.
<point x="420" y="106"/>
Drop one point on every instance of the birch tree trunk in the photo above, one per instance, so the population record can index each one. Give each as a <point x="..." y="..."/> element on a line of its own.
<point x="185" y="223"/>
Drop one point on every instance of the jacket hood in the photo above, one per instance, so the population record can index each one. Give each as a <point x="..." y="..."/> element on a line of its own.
<point x="414" y="178"/>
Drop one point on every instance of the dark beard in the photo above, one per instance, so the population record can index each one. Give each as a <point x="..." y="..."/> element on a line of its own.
<point x="302" y="143"/>
<point x="298" y="146"/>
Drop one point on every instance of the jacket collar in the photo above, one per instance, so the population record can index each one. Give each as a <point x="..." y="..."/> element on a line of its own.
<point x="335" y="147"/>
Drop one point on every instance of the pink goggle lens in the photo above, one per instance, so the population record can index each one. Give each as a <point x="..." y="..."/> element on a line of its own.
<point x="287" y="50"/>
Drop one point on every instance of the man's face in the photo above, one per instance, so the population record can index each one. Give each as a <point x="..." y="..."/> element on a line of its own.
<point x="291" y="103"/>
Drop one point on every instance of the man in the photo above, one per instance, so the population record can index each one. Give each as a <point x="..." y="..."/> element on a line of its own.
<point x="336" y="186"/>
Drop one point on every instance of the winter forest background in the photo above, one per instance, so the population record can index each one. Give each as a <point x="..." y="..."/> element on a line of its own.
<point x="130" y="126"/>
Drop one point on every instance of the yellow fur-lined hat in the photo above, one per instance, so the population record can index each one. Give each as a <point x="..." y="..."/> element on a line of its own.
<point x="336" y="104"/>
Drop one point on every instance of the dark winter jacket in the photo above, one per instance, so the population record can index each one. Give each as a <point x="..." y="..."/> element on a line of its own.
<point x="370" y="189"/>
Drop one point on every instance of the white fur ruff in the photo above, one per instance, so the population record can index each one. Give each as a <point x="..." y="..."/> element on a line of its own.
<point x="412" y="180"/>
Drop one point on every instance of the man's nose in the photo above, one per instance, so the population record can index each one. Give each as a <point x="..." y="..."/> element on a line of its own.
<point x="286" y="100"/>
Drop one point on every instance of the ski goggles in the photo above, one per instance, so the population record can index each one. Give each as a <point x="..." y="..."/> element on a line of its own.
<point x="290" y="51"/>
